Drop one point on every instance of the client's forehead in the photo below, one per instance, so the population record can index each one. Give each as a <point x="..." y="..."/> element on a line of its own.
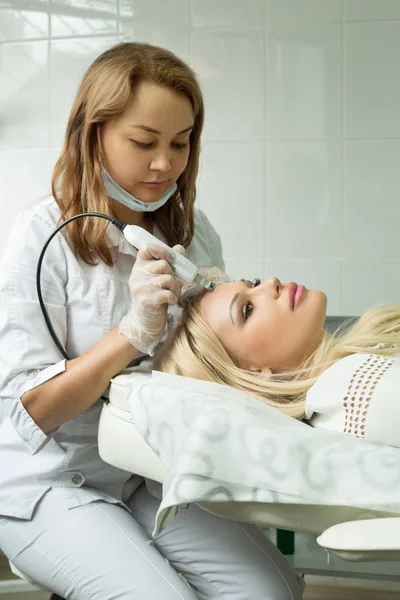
<point x="214" y="305"/>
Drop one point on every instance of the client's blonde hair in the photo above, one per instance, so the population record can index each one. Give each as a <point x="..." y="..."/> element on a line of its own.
<point x="195" y="351"/>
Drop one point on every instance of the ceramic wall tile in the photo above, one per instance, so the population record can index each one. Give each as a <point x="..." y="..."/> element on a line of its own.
<point x="371" y="199"/>
<point x="245" y="268"/>
<point x="230" y="66"/>
<point x="25" y="179"/>
<point x="69" y="60"/>
<point x="371" y="82"/>
<point x="304" y="82"/>
<point x="368" y="282"/>
<point x="370" y="10"/>
<point x="24" y="20"/>
<point x="231" y="193"/>
<point x="303" y="215"/>
<point x="24" y="95"/>
<point x="228" y="14"/>
<point x="286" y="12"/>
<point x="163" y="23"/>
<point x="73" y="18"/>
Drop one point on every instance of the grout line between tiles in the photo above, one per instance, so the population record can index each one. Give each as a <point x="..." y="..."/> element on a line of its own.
<point x="265" y="180"/>
<point x="342" y="166"/>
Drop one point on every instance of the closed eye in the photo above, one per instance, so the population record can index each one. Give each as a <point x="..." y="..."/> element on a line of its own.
<point x="148" y="145"/>
<point x="143" y="145"/>
<point x="180" y="146"/>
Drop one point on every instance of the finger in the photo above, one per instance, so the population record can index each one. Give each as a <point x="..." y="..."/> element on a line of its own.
<point x="179" y="249"/>
<point x="152" y="286"/>
<point x="167" y="282"/>
<point x="151" y="252"/>
<point x="159" y="267"/>
<point x="163" y="297"/>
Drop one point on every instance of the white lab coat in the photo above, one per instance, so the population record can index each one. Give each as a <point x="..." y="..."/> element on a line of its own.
<point x="84" y="303"/>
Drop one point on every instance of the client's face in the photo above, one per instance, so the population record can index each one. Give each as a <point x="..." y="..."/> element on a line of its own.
<point x="266" y="326"/>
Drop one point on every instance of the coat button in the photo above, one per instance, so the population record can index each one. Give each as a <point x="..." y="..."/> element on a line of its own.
<point x="77" y="479"/>
<point x="32" y="372"/>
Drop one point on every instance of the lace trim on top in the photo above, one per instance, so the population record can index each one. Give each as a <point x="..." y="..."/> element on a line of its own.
<point x="360" y="391"/>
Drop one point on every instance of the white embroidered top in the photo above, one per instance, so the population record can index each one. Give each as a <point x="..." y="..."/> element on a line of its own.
<point x="359" y="395"/>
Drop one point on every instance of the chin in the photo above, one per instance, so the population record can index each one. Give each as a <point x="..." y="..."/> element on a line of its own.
<point x="145" y="195"/>
<point x="149" y="195"/>
<point x="320" y="302"/>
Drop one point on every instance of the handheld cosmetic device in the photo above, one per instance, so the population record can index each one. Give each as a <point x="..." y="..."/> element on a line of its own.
<point x="185" y="270"/>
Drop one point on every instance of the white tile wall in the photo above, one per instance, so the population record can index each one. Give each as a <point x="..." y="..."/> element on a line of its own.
<point x="69" y="58"/>
<point x="24" y="94"/>
<point x="371" y="199"/>
<point x="236" y="189"/>
<point x="373" y="278"/>
<point x="304" y="83"/>
<point x="372" y="93"/>
<point x="307" y="220"/>
<point x="302" y="138"/>
<point x="71" y="18"/>
<point x="233" y="83"/>
<point x="24" y="24"/>
<point x="287" y="12"/>
<point x="161" y="22"/>
<point x="370" y="10"/>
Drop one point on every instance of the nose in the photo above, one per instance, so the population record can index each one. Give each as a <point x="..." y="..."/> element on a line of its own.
<point x="272" y="285"/>
<point x="161" y="161"/>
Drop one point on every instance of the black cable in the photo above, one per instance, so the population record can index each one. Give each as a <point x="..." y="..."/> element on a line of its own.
<point x="121" y="226"/>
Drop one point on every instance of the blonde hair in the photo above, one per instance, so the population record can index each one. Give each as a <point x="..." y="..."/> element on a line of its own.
<point x="104" y="93"/>
<point x="195" y="351"/>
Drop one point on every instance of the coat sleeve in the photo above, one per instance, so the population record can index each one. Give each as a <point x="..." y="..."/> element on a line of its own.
<point x="28" y="354"/>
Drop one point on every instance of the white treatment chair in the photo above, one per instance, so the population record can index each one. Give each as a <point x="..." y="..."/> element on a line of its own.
<point x="353" y="534"/>
<point x="350" y="533"/>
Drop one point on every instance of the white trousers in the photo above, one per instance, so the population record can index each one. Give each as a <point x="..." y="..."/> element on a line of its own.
<point x="101" y="552"/>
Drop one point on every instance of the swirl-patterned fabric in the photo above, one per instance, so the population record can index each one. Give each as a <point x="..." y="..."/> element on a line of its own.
<point x="224" y="446"/>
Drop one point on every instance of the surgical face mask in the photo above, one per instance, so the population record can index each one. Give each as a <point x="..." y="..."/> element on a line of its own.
<point x="118" y="193"/>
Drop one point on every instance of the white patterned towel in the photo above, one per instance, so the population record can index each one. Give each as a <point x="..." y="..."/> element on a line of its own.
<point x="224" y="448"/>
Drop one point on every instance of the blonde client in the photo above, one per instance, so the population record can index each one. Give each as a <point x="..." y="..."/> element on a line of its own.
<point x="268" y="339"/>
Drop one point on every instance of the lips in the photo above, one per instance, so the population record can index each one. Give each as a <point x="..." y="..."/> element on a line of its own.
<point x="295" y="293"/>
<point x="155" y="182"/>
<point x="291" y="289"/>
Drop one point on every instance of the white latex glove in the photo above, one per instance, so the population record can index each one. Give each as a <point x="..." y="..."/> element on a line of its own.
<point x="192" y="289"/>
<point x="153" y="287"/>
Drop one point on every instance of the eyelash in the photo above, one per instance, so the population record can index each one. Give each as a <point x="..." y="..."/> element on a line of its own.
<point x="145" y="146"/>
<point x="246" y="307"/>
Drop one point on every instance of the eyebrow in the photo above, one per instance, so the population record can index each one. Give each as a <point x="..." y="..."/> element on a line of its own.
<point x="235" y="297"/>
<point x="151" y="130"/>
